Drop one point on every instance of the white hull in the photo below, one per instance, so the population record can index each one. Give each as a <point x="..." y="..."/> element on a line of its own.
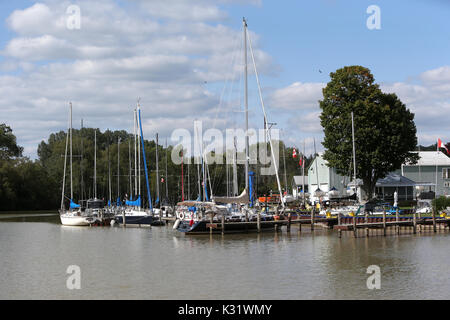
<point x="75" y="221"/>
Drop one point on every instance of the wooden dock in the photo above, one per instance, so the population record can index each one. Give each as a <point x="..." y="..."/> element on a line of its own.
<point x="386" y="224"/>
<point x="395" y="223"/>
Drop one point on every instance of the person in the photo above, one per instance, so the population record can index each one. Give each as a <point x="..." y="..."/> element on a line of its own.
<point x="395" y="199"/>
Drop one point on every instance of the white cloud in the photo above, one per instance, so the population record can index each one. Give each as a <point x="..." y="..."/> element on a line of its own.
<point x="160" y="53"/>
<point x="297" y="96"/>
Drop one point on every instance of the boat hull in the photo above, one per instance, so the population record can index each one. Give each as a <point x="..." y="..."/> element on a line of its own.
<point x="201" y="227"/>
<point x="135" y="220"/>
<point x="75" y="221"/>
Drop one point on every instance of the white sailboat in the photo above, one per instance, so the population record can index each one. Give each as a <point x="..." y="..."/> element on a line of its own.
<point x="73" y="216"/>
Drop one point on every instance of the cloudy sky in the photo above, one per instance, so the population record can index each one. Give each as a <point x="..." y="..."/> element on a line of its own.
<point x="183" y="60"/>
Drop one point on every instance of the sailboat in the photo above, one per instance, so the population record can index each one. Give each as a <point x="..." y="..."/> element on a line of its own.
<point x="216" y="210"/>
<point x="74" y="216"/>
<point x="134" y="214"/>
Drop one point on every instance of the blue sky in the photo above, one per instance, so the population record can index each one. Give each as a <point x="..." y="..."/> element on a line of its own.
<point x="294" y="40"/>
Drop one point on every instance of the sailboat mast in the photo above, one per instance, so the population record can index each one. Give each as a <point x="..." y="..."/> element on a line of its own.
<point x="354" y="156"/>
<point x="81" y="162"/>
<point x="95" y="164"/>
<point x="135" y="155"/>
<point x="118" y="167"/>
<point x="109" y="171"/>
<point x="71" y="180"/>
<point x="167" y="176"/>
<point x="246" y="105"/>
<point x="157" y="173"/>
<point x="129" y="165"/>
<point x="65" y="164"/>
<point x="303" y="171"/>
<point x="235" y="181"/>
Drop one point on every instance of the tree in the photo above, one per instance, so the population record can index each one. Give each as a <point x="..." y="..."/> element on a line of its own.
<point x="8" y="144"/>
<point x="385" y="132"/>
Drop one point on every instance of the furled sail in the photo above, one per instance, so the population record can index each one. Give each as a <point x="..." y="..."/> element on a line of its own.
<point x="73" y="205"/>
<point x="136" y="203"/>
<point x="242" y="198"/>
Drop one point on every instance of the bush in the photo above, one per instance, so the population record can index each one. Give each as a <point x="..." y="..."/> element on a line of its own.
<point x="441" y="203"/>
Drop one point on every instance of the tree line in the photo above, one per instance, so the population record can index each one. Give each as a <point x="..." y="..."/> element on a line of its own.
<point x="27" y="184"/>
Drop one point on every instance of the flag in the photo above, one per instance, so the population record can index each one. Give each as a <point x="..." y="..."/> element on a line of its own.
<point x="162" y="180"/>
<point x="441" y="145"/>
<point x="301" y="163"/>
<point x="294" y="153"/>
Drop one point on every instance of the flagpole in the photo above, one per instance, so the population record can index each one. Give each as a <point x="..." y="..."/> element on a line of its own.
<point x="437" y="154"/>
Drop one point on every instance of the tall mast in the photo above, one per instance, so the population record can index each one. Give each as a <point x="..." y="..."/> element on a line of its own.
<point x="354" y="157"/>
<point x="303" y="171"/>
<point x="95" y="164"/>
<point x="235" y="181"/>
<point x="135" y="156"/>
<point x="167" y="175"/>
<point x="182" y="175"/>
<point x="65" y="164"/>
<point x="157" y="173"/>
<point x="71" y="156"/>
<point x="118" y="167"/>
<point x="81" y="163"/>
<point x="109" y="171"/>
<point x="246" y="105"/>
<point x="139" y="154"/>
<point x="129" y="165"/>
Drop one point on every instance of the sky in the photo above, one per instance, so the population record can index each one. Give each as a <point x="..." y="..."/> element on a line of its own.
<point x="183" y="60"/>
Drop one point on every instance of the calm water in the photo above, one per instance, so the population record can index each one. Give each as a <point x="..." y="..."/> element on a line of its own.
<point x="159" y="263"/>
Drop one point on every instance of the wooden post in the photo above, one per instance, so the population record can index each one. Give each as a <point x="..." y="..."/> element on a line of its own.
<point x="288" y="228"/>
<point x="313" y="213"/>
<point x="223" y="223"/>
<point x="367" y="221"/>
<point x="258" y="221"/>
<point x="355" y="234"/>
<point x="123" y="218"/>
<point x="434" y="220"/>
<point x="339" y="219"/>
<point x="384" y="222"/>
<point x="414" y="223"/>
<point x="211" y="222"/>
<point x="299" y="226"/>
<point x="397" y="220"/>
<point x="420" y="217"/>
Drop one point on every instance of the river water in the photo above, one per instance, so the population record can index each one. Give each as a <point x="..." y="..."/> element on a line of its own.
<point x="159" y="263"/>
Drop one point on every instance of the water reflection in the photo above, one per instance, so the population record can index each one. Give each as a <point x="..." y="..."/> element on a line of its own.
<point x="160" y="263"/>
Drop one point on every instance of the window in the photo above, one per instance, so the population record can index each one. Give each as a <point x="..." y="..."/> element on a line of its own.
<point x="446" y="184"/>
<point x="445" y="173"/>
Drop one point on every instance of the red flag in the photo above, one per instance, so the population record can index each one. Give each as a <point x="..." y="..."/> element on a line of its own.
<point x="162" y="180"/>
<point x="300" y="162"/>
<point x="294" y="153"/>
<point x="441" y="145"/>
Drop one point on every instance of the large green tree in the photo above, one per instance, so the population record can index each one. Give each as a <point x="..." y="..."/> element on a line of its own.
<point x="8" y="143"/>
<point x="385" y="133"/>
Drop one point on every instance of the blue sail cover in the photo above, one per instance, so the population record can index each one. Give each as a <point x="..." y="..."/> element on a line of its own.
<point x="251" y="175"/>
<point x="157" y="201"/>
<point x="109" y="203"/>
<point x="73" y="205"/>
<point x="118" y="202"/>
<point x="136" y="203"/>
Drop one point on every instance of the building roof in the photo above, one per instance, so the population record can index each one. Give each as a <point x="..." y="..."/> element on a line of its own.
<point x="395" y="180"/>
<point x="298" y="180"/>
<point x="391" y="180"/>
<point x="431" y="158"/>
